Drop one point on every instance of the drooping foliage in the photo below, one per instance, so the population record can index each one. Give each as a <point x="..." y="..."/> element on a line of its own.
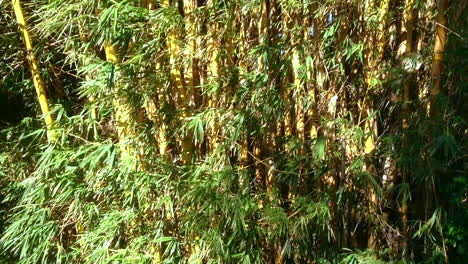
<point x="236" y="131"/>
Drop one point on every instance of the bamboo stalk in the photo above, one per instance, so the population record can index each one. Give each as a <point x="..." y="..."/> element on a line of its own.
<point x="439" y="49"/>
<point x="36" y="74"/>
<point x="440" y="40"/>
<point x="409" y="14"/>
<point x="370" y="125"/>
<point x="178" y="81"/>
<point x="213" y="73"/>
<point x="189" y="79"/>
<point x="121" y="111"/>
<point x="409" y="17"/>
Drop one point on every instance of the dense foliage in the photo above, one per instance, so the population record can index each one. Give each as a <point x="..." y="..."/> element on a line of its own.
<point x="235" y="131"/>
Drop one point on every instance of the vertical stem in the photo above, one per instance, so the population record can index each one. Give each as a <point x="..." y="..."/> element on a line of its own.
<point x="440" y="39"/>
<point x="409" y="14"/>
<point x="213" y="79"/>
<point x="178" y="80"/>
<point x="122" y="111"/>
<point x="370" y="125"/>
<point x="159" y="99"/>
<point x="35" y="72"/>
<point x="409" y="17"/>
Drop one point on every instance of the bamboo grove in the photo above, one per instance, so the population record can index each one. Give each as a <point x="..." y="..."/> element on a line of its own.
<point x="234" y="131"/>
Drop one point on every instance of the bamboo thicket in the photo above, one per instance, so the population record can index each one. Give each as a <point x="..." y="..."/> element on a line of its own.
<point x="249" y="131"/>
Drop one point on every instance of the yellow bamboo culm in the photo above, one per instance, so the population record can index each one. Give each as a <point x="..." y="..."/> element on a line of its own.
<point x="440" y="39"/>
<point x="36" y="75"/>
<point x="111" y="53"/>
<point x="409" y="16"/>
<point x="370" y="127"/>
<point x="178" y="81"/>
<point x="188" y="87"/>
<point x="213" y="73"/>
<point x="123" y="115"/>
<point x="300" y="125"/>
